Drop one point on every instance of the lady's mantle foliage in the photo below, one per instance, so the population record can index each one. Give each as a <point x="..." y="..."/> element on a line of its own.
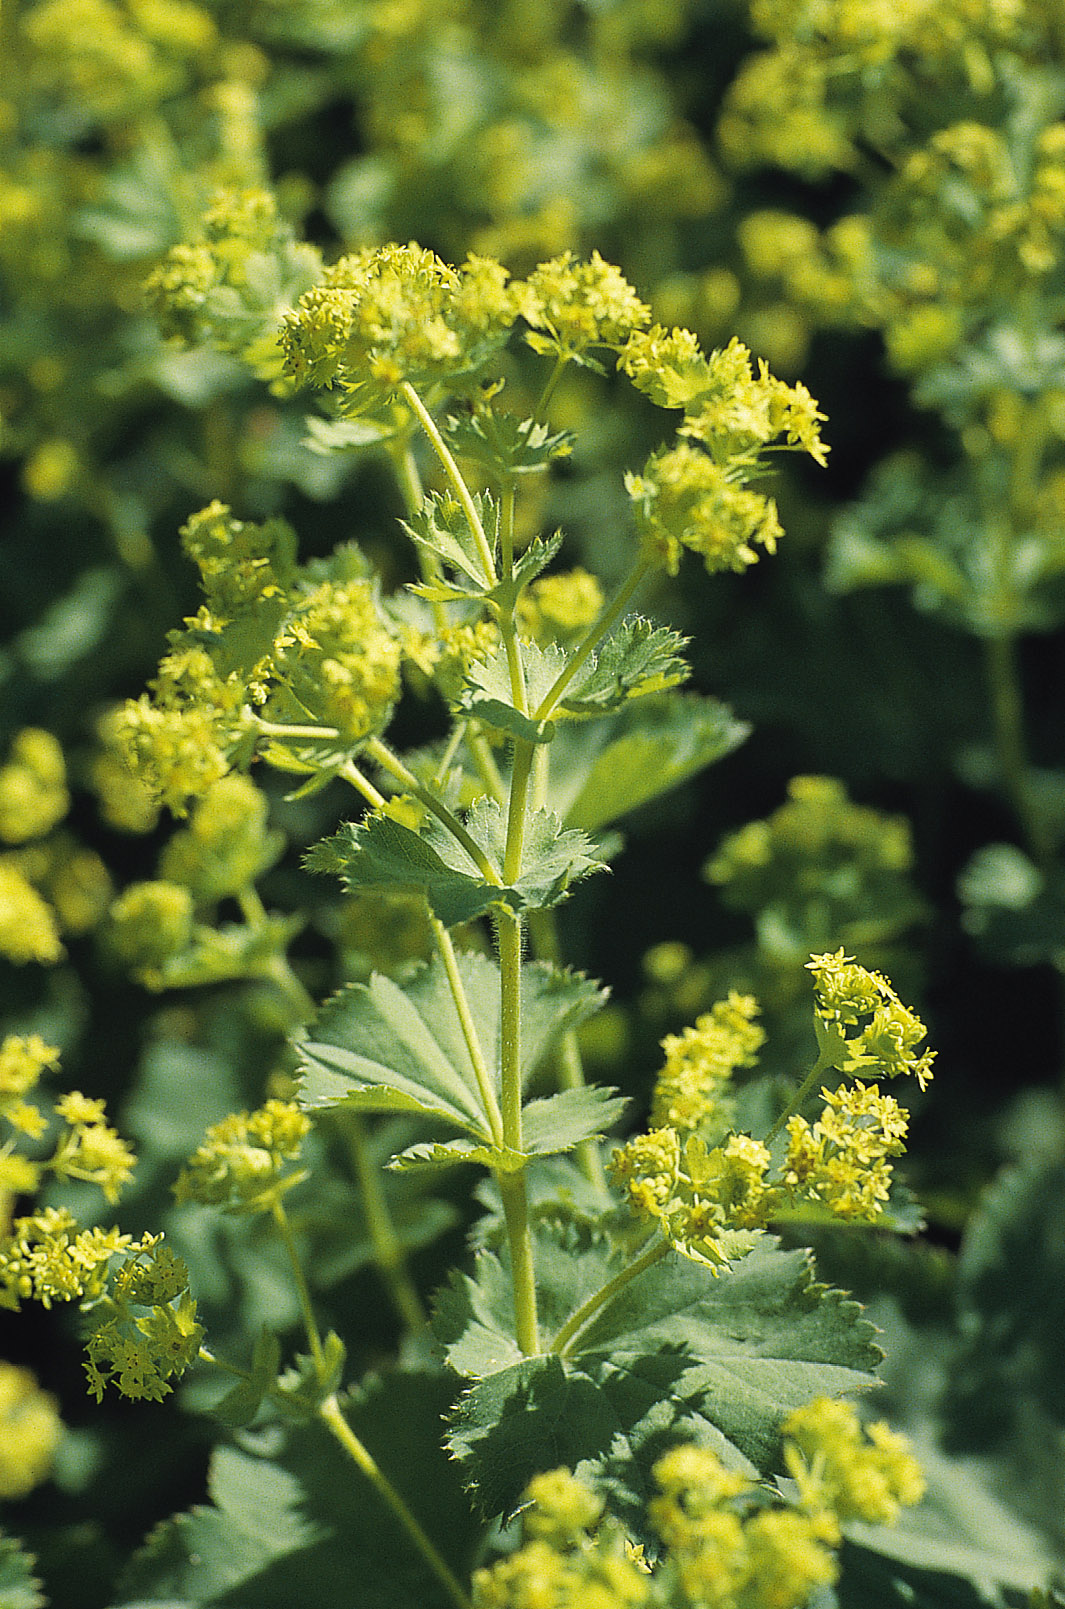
<point x="382" y="1047"/>
<point x="677" y="1354"/>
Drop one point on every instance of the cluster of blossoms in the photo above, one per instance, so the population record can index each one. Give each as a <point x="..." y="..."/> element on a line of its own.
<point x="727" y="1543"/>
<point x="85" y="1146"/>
<point x="241" y="1164"/>
<point x="47" y="1257"/>
<point x="835" y="67"/>
<point x="50" y="885"/>
<point x="116" y="58"/>
<point x="705" y="1189"/>
<point x="30" y="1429"/>
<point x="393" y="315"/>
<point x="820" y="865"/>
<point x="272" y="643"/>
<point x="697" y="496"/>
<point x="231" y="286"/>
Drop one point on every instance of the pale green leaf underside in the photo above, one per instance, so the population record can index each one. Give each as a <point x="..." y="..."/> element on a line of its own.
<point x="599" y="773"/>
<point x="391" y="1048"/>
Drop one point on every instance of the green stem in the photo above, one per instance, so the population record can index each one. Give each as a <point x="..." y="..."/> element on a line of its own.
<point x="310" y="1323"/>
<point x="469" y="1028"/>
<point x="351" y="773"/>
<point x="454" y="475"/>
<point x="523" y="1271"/>
<point x="389" y="1253"/>
<point x="820" y="1067"/>
<point x="334" y="1421"/>
<point x="549" y="389"/>
<point x="410" y="485"/>
<point x="605" y="1294"/>
<point x="392" y="763"/>
<point x="608" y="617"/>
<point x="512" y="1185"/>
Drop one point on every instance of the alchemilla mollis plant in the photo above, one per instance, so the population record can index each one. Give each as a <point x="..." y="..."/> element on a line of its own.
<point x="634" y="1361"/>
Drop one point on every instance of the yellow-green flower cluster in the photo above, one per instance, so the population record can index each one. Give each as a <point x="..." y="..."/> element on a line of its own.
<point x="30" y="1428"/>
<point x="85" y="1147"/>
<point x="48" y="885"/>
<point x="28" y="927"/>
<point x="114" y="58"/>
<point x="560" y="607"/>
<point x="819" y="867"/>
<point x="226" y="846"/>
<point x="692" y="1084"/>
<point x="863" y="1025"/>
<point x="396" y="314"/>
<point x="33" y="787"/>
<point x="46" y="1257"/>
<point x="231" y="287"/>
<point x="841" y="1160"/>
<point x="241" y="1164"/>
<point x="853" y="1473"/>
<point x="335" y="661"/>
<point x="697" y="496"/>
<point x="836" y="67"/>
<point x="140" y="1353"/>
<point x="683" y="499"/>
<point x="272" y="642"/>
<point x="707" y="1189"/>
<point x="148" y="923"/>
<point x="574" y="307"/>
<point x="727" y="1542"/>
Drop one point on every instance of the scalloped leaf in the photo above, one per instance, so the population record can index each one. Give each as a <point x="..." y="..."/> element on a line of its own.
<point x="386" y="1048"/>
<point x="599" y="773"/>
<point x="637" y="659"/>
<point x="487" y="693"/>
<point x="382" y="853"/>
<point x="442" y="528"/>
<point x="677" y="1353"/>
<point x="506" y="444"/>
<point x="551" y="1127"/>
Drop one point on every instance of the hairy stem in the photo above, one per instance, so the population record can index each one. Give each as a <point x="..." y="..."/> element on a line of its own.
<point x="391" y="762"/>
<point x="606" y="1293"/>
<point x="337" y="1425"/>
<point x="608" y="617"/>
<point x="451" y="470"/>
<point x="310" y="1322"/>
<point x="469" y="1029"/>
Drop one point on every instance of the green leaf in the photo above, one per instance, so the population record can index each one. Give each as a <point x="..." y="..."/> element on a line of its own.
<point x="19" y="1588"/>
<point x="382" y="853"/>
<point x="637" y="659"/>
<point x="388" y="1048"/>
<point x="677" y="1353"/>
<point x="340" y="435"/>
<point x="301" y="1525"/>
<point x="599" y="773"/>
<point x="442" y="528"/>
<point x="551" y="1127"/>
<point x="506" y="444"/>
<point x="239" y="1406"/>
<point x="559" y="1122"/>
<point x="487" y="693"/>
